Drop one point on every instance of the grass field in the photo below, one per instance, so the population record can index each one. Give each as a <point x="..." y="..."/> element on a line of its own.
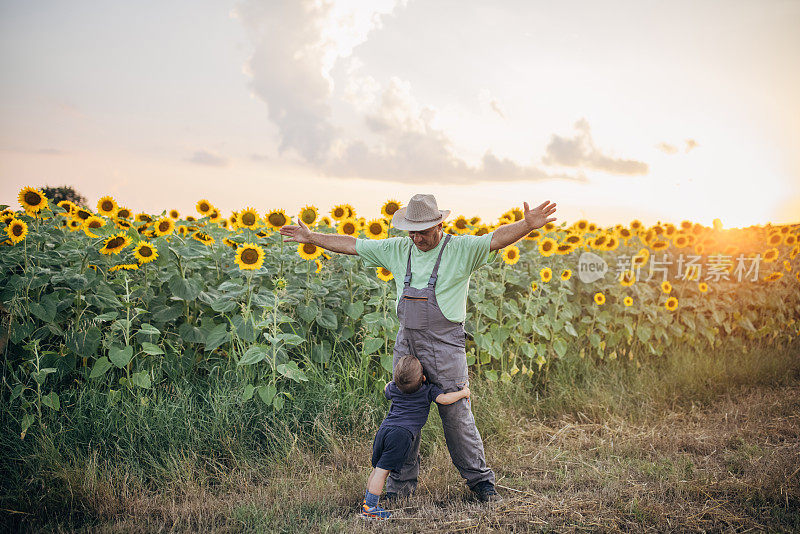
<point x="689" y="443"/>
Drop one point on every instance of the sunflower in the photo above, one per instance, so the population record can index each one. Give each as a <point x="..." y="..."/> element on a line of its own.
<point x="247" y="218"/>
<point x="533" y="235"/>
<point x="68" y="206"/>
<point x="775" y="275"/>
<point x="92" y="223"/>
<point x="627" y="301"/>
<point x="308" y="215"/>
<point x="534" y="286"/>
<point x="703" y="287"/>
<point x="123" y="213"/>
<point x="599" y="242"/>
<point x="375" y="229"/>
<point x="671" y="303"/>
<point x="504" y="219"/>
<point x="384" y="274"/>
<point x="461" y="225"/>
<point x="775" y="238"/>
<point x="203" y="207"/>
<point x="511" y="255"/>
<point x="686" y="225"/>
<point x="107" y="206"/>
<point x="94" y="267"/>
<point x="547" y="246"/>
<point x="659" y="244"/>
<point x="599" y="299"/>
<point x="74" y="224"/>
<point x="339" y="212"/>
<point x="627" y="278"/>
<point x="566" y="274"/>
<point x="145" y="252"/>
<point x="309" y="251"/>
<point x="249" y="256"/>
<point x="174" y="214"/>
<point x="517" y="214"/>
<point x="204" y="238"/>
<point x="214" y="215"/>
<point x="625" y="234"/>
<point x="692" y="272"/>
<point x="347" y="227"/>
<point x="143" y="217"/>
<point x="17" y="230"/>
<point x="612" y="243"/>
<point x="770" y="255"/>
<point x="546" y="274"/>
<point x="126" y="266"/>
<point x="790" y="239"/>
<point x="787" y="265"/>
<point x="115" y="243"/>
<point x="122" y="224"/>
<point x="32" y="199"/>
<point x="666" y="287"/>
<point x="276" y="219"/>
<point x="573" y="239"/>
<point x="319" y="266"/>
<point x="164" y="226"/>
<point x="190" y="218"/>
<point x="549" y="227"/>
<point x="325" y="221"/>
<point x="481" y="230"/>
<point x="562" y="249"/>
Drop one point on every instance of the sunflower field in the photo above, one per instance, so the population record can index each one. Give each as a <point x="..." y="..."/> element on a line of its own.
<point x="123" y="301"/>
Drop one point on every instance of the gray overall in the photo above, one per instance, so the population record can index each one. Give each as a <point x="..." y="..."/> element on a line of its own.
<point x="438" y="343"/>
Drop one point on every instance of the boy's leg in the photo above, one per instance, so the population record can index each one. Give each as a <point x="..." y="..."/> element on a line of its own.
<point x="405" y="482"/>
<point x="464" y="442"/>
<point x="376" y="481"/>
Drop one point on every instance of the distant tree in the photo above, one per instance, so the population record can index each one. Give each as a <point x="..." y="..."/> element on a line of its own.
<point x="65" y="192"/>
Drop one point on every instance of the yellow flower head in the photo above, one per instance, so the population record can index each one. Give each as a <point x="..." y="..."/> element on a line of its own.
<point x="308" y="251"/>
<point x="671" y="303"/>
<point x="703" y="287"/>
<point x="666" y="287"/>
<point x="348" y="227"/>
<point x="204" y="238"/>
<point x="92" y="223"/>
<point x="599" y="299"/>
<point x="384" y="274"/>
<point x="627" y="278"/>
<point x="340" y="212"/>
<point x="107" y="206"/>
<point x="375" y="229"/>
<point x="319" y="266"/>
<point x="174" y="214"/>
<point x="145" y="252"/>
<point x="17" y="230"/>
<point x="248" y="218"/>
<point x="204" y="207"/>
<point x="547" y="246"/>
<point x="249" y="256"/>
<point x="511" y="255"/>
<point x="390" y="207"/>
<point x="164" y="226"/>
<point x="123" y="213"/>
<point x="627" y="301"/>
<point x="32" y="199"/>
<point x="125" y="266"/>
<point x="276" y="219"/>
<point x="308" y="215"/>
<point x="534" y="286"/>
<point x="773" y="276"/>
<point x="546" y="274"/>
<point x="770" y="255"/>
<point x="115" y="243"/>
<point x="460" y="225"/>
<point x="566" y="274"/>
<point x="787" y="265"/>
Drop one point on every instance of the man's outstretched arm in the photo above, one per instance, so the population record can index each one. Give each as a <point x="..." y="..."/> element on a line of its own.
<point x="508" y="234"/>
<point x="344" y="244"/>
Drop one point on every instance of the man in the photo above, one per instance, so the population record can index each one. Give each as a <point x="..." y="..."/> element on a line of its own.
<point x="432" y="306"/>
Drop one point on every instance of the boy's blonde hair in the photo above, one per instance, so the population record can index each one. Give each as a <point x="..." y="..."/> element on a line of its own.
<point x="408" y="374"/>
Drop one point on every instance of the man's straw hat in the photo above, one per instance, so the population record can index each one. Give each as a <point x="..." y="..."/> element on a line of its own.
<point x="420" y="214"/>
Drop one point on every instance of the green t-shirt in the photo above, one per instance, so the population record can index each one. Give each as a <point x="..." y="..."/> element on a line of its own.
<point x="463" y="255"/>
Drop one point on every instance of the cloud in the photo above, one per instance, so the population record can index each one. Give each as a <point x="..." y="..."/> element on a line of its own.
<point x="340" y="119"/>
<point x="204" y="157"/>
<point x="42" y="151"/>
<point x="667" y="148"/>
<point x="690" y="144"/>
<point x="580" y="151"/>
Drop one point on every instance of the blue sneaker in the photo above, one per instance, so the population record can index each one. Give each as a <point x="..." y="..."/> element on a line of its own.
<point x="374" y="512"/>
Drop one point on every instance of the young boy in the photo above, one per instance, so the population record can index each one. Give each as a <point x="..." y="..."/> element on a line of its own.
<point x="411" y="400"/>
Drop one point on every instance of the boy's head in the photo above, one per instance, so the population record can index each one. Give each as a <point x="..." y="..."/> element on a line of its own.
<point x="408" y="375"/>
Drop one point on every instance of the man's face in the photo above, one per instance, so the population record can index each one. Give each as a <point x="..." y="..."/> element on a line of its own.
<point x="426" y="240"/>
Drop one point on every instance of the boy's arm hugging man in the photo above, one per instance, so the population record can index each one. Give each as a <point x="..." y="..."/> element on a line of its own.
<point x="450" y="398"/>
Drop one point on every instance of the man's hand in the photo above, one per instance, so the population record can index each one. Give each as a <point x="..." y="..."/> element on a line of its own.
<point x="466" y="392"/>
<point x="538" y="216"/>
<point x="299" y="234"/>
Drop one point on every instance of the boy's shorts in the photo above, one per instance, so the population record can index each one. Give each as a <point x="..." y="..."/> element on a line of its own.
<point x="391" y="447"/>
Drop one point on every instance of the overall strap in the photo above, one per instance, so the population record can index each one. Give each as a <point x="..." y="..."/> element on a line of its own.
<point x="407" y="281"/>
<point x="435" y="272"/>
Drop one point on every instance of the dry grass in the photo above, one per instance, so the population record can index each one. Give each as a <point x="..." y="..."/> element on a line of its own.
<point x="733" y="465"/>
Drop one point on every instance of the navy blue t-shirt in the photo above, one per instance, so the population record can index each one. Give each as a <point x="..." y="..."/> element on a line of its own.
<point x="410" y="410"/>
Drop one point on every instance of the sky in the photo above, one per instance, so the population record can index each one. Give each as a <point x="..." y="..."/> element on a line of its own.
<point x="614" y="110"/>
